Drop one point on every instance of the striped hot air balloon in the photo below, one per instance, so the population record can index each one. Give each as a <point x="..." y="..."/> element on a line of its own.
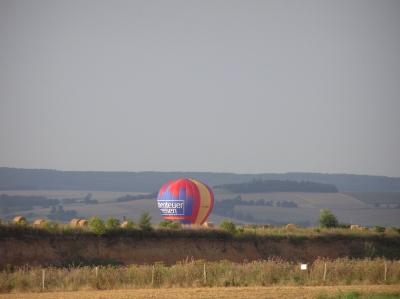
<point x="185" y="200"/>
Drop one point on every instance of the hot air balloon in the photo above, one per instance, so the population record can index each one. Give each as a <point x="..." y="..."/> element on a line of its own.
<point x="185" y="200"/>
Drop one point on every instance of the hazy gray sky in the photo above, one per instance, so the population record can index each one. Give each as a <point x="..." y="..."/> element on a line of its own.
<point x="219" y="86"/>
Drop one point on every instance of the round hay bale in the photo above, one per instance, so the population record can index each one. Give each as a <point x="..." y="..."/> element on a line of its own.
<point x="291" y="226"/>
<point x="19" y="219"/>
<point x="38" y="222"/>
<point x="83" y="222"/>
<point x="74" y="222"/>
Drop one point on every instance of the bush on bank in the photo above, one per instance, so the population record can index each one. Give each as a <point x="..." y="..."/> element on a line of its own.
<point x="227" y="230"/>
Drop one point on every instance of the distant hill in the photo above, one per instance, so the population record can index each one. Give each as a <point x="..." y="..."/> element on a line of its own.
<point x="260" y="186"/>
<point x="151" y="181"/>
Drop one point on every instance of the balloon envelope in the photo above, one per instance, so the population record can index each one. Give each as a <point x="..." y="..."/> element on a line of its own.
<point x="185" y="200"/>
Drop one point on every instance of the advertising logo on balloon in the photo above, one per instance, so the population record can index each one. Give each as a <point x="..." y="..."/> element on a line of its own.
<point x="176" y="207"/>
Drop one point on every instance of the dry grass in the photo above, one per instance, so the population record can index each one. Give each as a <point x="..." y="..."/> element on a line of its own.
<point x="191" y="274"/>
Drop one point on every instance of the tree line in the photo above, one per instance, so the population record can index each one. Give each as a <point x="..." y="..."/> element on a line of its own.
<point x="148" y="181"/>
<point x="10" y="204"/>
<point x="226" y="208"/>
<point x="129" y="197"/>
<point x="260" y="186"/>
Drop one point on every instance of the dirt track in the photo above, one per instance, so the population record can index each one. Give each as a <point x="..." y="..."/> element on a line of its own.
<point x="231" y="293"/>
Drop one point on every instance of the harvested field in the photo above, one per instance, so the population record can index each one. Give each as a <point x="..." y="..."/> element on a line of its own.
<point x="346" y="208"/>
<point x="231" y="292"/>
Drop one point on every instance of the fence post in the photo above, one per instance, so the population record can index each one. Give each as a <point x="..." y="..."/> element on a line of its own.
<point x="43" y="275"/>
<point x="205" y="273"/>
<point x="325" y="273"/>
<point x="97" y="270"/>
<point x="385" y="270"/>
<point x="152" y="276"/>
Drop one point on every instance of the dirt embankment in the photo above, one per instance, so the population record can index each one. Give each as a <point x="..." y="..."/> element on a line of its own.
<point x="63" y="251"/>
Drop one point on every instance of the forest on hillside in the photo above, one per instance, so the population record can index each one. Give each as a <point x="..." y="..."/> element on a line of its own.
<point x="152" y="181"/>
<point x="260" y="186"/>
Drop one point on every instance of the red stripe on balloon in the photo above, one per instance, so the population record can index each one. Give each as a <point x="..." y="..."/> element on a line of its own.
<point x="176" y="188"/>
<point x="161" y="192"/>
<point x="189" y="189"/>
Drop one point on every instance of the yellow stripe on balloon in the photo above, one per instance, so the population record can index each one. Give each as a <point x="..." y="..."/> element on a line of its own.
<point x="205" y="202"/>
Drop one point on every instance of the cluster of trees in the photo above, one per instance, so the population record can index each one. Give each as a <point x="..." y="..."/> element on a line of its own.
<point x="226" y="206"/>
<point x="378" y="205"/>
<point x="260" y="186"/>
<point x="328" y="219"/>
<point x="99" y="227"/>
<point x="286" y="204"/>
<point x="58" y="213"/>
<point x="89" y="201"/>
<point x="16" y="203"/>
<point x="10" y="204"/>
<point x="241" y="216"/>
<point x="69" y="201"/>
<point x="137" y="197"/>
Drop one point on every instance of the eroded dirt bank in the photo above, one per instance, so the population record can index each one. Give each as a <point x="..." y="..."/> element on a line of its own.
<point x="63" y="251"/>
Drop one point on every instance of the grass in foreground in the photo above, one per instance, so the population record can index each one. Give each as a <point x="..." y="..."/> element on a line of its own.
<point x="189" y="274"/>
<point x="358" y="295"/>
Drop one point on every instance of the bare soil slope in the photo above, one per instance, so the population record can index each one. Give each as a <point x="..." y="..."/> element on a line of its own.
<point x="63" y="251"/>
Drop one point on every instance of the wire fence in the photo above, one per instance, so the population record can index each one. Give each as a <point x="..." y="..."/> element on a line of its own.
<point x="191" y="273"/>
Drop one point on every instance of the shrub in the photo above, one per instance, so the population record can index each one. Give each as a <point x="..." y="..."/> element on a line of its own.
<point x="240" y="231"/>
<point x="229" y="226"/>
<point x="46" y="224"/>
<point x="327" y="219"/>
<point x="96" y="225"/>
<point x="395" y="229"/>
<point x="344" y="225"/>
<point x="130" y="224"/>
<point x="170" y="224"/>
<point x="379" y="229"/>
<point x="145" y="221"/>
<point x="23" y="224"/>
<point x="112" y="222"/>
